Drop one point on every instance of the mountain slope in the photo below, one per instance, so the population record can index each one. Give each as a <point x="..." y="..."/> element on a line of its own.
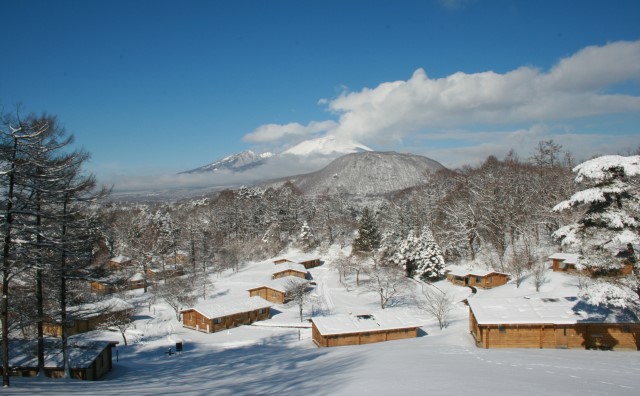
<point x="366" y="173"/>
<point x="327" y="145"/>
<point x="236" y="163"/>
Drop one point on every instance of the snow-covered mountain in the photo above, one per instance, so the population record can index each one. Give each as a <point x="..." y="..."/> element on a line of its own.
<point x="236" y="163"/>
<point x="327" y="145"/>
<point x="366" y="173"/>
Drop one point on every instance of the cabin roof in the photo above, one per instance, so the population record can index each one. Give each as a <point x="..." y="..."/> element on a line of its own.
<point x="279" y="284"/>
<point x="297" y="259"/>
<point x="362" y="323"/>
<point x="546" y="310"/>
<point x="97" y="308"/>
<point x="225" y="307"/>
<point x="82" y="353"/>
<point x="291" y="267"/>
<point x="569" y="258"/>
<point x="461" y="271"/>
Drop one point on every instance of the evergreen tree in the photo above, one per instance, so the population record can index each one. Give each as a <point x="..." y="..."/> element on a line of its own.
<point x="612" y="216"/>
<point x="421" y="256"/>
<point x="610" y="223"/>
<point x="306" y="237"/>
<point x="368" y="235"/>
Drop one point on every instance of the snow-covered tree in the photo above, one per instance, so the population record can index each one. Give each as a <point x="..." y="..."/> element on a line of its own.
<point x="610" y="222"/>
<point x="306" y="237"/>
<point x="612" y="216"/>
<point x="368" y="235"/>
<point x="420" y="256"/>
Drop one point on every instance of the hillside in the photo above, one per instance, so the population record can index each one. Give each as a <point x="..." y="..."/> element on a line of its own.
<point x="274" y="357"/>
<point x="366" y="173"/>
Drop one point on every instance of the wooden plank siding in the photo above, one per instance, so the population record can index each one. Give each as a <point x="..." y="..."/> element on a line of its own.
<point x="289" y="272"/>
<point x="361" y="338"/>
<point x="269" y="294"/>
<point x="616" y="336"/>
<point x="197" y="321"/>
<point x="486" y="282"/>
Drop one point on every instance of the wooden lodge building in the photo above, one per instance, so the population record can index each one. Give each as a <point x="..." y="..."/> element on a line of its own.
<point x="212" y="316"/>
<point x="87" y="317"/>
<point x="119" y="263"/>
<point x="569" y="262"/>
<point x="275" y="290"/>
<point x="307" y="262"/>
<point x="88" y="360"/>
<point x="137" y="281"/>
<point x="290" y="269"/>
<point x="563" y="322"/>
<point x="340" y="330"/>
<point x="485" y="279"/>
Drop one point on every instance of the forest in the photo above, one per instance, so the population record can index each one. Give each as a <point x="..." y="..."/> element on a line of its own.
<point x="59" y="227"/>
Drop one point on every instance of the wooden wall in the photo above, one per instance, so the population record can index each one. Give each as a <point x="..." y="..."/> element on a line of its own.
<point x="195" y="320"/>
<point x="362" y="338"/>
<point x="485" y="282"/>
<point x="269" y="294"/>
<point x="289" y="272"/>
<point x="615" y="336"/>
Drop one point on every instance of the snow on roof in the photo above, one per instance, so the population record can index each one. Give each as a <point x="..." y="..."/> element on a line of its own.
<point x="97" y="308"/>
<point x="297" y="259"/>
<point x="219" y="308"/>
<point x="548" y="310"/>
<point x="22" y="353"/>
<point x="120" y="259"/>
<point x="280" y="284"/>
<point x="347" y="324"/>
<point x="456" y="270"/>
<point x="138" y="276"/>
<point x="290" y="266"/>
<point x="569" y="258"/>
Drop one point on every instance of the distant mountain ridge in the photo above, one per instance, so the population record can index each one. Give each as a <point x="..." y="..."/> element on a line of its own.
<point x="327" y="145"/>
<point x="236" y="163"/>
<point x="365" y="173"/>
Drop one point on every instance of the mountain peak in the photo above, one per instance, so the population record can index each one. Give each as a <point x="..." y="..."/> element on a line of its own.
<point x="236" y="163"/>
<point x="327" y="145"/>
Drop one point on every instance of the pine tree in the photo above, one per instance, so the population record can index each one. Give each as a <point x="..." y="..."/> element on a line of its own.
<point x="306" y="237"/>
<point x="368" y="235"/>
<point x="611" y="222"/>
<point x="421" y="256"/>
<point x="612" y="216"/>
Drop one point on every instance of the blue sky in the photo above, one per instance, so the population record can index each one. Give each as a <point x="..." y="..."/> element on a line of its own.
<point x="156" y="87"/>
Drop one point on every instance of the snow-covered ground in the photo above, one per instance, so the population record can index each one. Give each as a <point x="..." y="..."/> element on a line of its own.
<point x="277" y="357"/>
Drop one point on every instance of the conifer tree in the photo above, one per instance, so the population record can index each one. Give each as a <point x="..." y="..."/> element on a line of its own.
<point x="368" y="235"/>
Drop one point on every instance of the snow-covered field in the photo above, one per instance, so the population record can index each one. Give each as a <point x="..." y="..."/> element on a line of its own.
<point x="277" y="357"/>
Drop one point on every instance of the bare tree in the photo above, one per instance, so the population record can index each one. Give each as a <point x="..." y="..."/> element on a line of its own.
<point x="176" y="293"/>
<point x="539" y="274"/>
<point x="438" y="304"/>
<point x="341" y="263"/>
<point x="387" y="282"/>
<point x="298" y="292"/>
<point x="120" y="319"/>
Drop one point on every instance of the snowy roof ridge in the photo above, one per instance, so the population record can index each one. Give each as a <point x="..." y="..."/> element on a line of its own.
<point x="374" y="321"/>
<point x="218" y="308"/>
<point x="569" y="258"/>
<point x="290" y="266"/>
<point x="279" y="284"/>
<point x="545" y="310"/>
<point x="462" y="271"/>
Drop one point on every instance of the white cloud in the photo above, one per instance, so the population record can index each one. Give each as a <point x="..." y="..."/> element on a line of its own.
<point x="274" y="132"/>
<point x="574" y="88"/>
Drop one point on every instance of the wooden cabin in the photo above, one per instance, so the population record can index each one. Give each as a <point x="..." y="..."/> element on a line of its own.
<point x="88" y="360"/>
<point x="563" y="322"/>
<point x="212" y="316"/>
<point x="137" y="281"/>
<point x="307" y="262"/>
<point x="290" y="269"/>
<point x="119" y="263"/>
<point x="88" y="317"/>
<point x="565" y="262"/>
<point x="102" y="286"/>
<point x="340" y="330"/>
<point x="275" y="290"/>
<point x="485" y="279"/>
<point x="155" y="273"/>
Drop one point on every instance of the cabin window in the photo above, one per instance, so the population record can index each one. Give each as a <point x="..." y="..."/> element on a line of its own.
<point x="202" y="319"/>
<point x="478" y="279"/>
<point x="191" y="316"/>
<point x="262" y="311"/>
<point x="274" y="294"/>
<point x="502" y="329"/>
<point x="564" y="331"/>
<point x="626" y="329"/>
<point x="217" y="321"/>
